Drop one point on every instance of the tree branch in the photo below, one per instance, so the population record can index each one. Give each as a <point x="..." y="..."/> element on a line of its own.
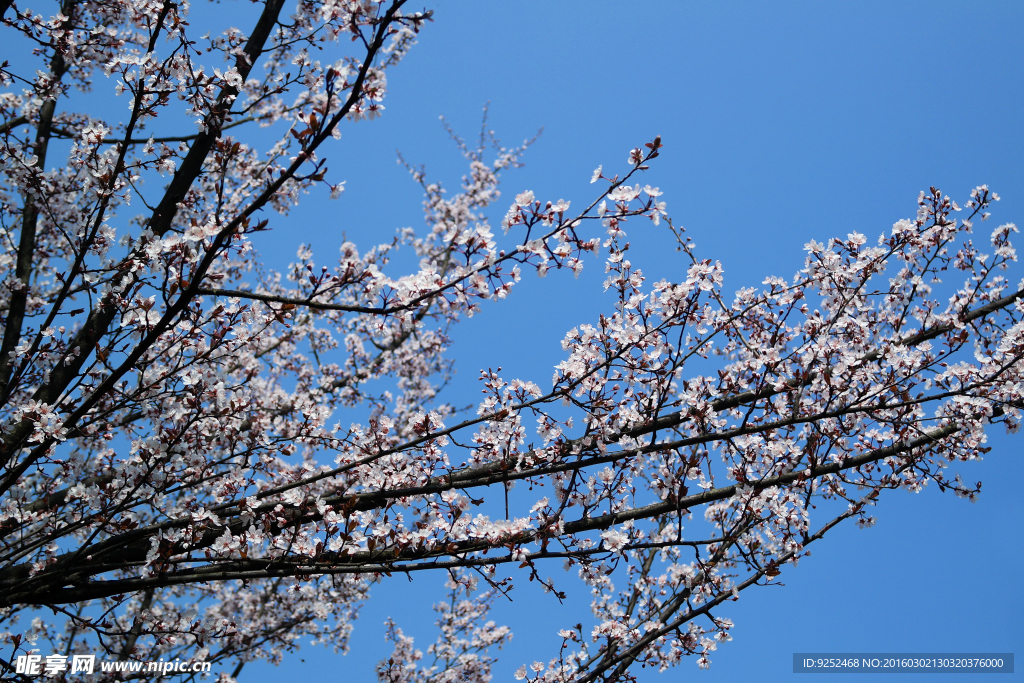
<point x="52" y="583"/>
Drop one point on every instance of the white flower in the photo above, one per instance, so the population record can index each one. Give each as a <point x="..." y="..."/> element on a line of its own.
<point x="194" y="233"/>
<point x="902" y="226"/>
<point x="624" y="193"/>
<point x="597" y="174"/>
<point x="614" y="539"/>
<point x="524" y="198"/>
<point x="225" y="543"/>
<point x="143" y="314"/>
<point x="205" y="514"/>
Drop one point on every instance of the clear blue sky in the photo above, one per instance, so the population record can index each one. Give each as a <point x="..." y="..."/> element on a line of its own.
<point x="783" y="122"/>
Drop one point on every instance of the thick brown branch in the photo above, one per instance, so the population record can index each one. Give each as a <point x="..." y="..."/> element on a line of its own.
<point x="64" y="133"/>
<point x="317" y="305"/>
<point x="15" y="122"/>
<point x="192" y="164"/>
<point x="53" y="583"/>
<point x="100" y="318"/>
<point x="29" y="223"/>
<point x="495" y="472"/>
<point x="747" y="397"/>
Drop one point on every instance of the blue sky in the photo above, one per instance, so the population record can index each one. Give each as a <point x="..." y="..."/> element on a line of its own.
<point x="783" y="122"/>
